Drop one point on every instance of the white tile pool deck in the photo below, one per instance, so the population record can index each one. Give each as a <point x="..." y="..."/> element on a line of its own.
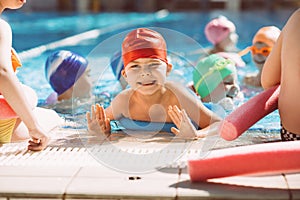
<point x="67" y="170"/>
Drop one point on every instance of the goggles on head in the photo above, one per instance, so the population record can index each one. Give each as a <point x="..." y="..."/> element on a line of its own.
<point x="265" y="51"/>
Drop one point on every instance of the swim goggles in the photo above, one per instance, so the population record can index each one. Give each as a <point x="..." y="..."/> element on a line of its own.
<point x="265" y="51"/>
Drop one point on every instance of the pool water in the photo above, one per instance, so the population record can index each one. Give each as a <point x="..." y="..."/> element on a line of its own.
<point x="32" y="30"/>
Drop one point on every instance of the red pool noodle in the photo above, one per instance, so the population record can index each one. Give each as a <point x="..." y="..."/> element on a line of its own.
<point x="258" y="159"/>
<point x="249" y="113"/>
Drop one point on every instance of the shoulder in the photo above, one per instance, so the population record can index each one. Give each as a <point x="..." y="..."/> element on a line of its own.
<point x="5" y="31"/>
<point x="124" y="95"/>
<point x="4" y="26"/>
<point x="296" y="17"/>
<point x="297" y="12"/>
<point x="182" y="92"/>
<point x="176" y="87"/>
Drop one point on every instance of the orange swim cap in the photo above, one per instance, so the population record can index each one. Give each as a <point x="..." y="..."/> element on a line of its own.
<point x="267" y="35"/>
<point x="143" y="43"/>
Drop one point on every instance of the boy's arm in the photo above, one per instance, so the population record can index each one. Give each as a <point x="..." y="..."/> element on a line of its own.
<point x="119" y="105"/>
<point x="185" y="128"/>
<point x="190" y="103"/>
<point x="283" y="62"/>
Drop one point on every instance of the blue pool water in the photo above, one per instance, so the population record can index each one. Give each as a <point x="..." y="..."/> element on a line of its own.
<point x="31" y="30"/>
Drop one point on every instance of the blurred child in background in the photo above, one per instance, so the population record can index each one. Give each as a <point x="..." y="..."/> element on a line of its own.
<point x="221" y="33"/>
<point x="262" y="44"/>
<point x="68" y="76"/>
<point x="215" y="80"/>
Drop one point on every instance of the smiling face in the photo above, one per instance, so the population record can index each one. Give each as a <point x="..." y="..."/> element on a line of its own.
<point x="146" y="75"/>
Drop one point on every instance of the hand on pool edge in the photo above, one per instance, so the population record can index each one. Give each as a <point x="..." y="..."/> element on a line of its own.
<point x="38" y="141"/>
<point x="97" y="121"/>
<point x="185" y="129"/>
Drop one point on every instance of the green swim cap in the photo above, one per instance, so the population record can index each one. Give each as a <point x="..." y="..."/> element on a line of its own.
<point x="210" y="72"/>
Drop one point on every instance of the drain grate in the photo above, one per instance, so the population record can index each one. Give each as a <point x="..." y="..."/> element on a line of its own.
<point x="18" y="155"/>
<point x="125" y="158"/>
<point x="128" y="154"/>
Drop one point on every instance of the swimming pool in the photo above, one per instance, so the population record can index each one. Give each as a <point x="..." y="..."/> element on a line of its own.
<point x="84" y="33"/>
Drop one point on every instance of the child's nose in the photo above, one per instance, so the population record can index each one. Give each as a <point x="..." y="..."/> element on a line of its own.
<point x="145" y="72"/>
<point x="233" y="91"/>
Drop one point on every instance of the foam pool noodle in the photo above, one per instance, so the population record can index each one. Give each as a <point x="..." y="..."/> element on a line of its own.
<point x="243" y="117"/>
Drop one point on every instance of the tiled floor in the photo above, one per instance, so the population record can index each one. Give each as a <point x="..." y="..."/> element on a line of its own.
<point x="73" y="168"/>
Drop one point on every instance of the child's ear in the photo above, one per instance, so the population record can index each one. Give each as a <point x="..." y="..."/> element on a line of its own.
<point x="169" y="68"/>
<point x="124" y="74"/>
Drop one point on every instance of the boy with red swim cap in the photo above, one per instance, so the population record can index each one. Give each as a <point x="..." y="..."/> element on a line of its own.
<point x="150" y="98"/>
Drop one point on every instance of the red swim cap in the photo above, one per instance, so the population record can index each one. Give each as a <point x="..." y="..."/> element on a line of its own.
<point x="143" y="43"/>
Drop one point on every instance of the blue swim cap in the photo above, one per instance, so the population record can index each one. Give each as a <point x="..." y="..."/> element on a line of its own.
<point x="116" y="64"/>
<point x="63" y="69"/>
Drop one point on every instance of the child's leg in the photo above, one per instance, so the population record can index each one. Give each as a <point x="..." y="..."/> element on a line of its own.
<point x="31" y="96"/>
<point x="48" y="119"/>
<point x="20" y="132"/>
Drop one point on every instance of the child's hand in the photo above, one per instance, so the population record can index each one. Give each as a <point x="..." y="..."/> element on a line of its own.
<point x="39" y="140"/>
<point x="185" y="128"/>
<point x="97" y="121"/>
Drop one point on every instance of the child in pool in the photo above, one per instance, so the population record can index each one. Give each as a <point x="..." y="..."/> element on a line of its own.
<point x="215" y="80"/>
<point x="282" y="67"/>
<point x="68" y="76"/>
<point x="221" y="33"/>
<point x="262" y="44"/>
<point x="150" y="96"/>
<point x="21" y="99"/>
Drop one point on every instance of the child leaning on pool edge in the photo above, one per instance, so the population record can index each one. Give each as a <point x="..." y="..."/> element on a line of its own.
<point x="14" y="93"/>
<point x="283" y="67"/>
<point x="150" y="97"/>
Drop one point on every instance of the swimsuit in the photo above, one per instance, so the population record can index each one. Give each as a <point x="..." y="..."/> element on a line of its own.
<point x="6" y="129"/>
<point x="288" y="136"/>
